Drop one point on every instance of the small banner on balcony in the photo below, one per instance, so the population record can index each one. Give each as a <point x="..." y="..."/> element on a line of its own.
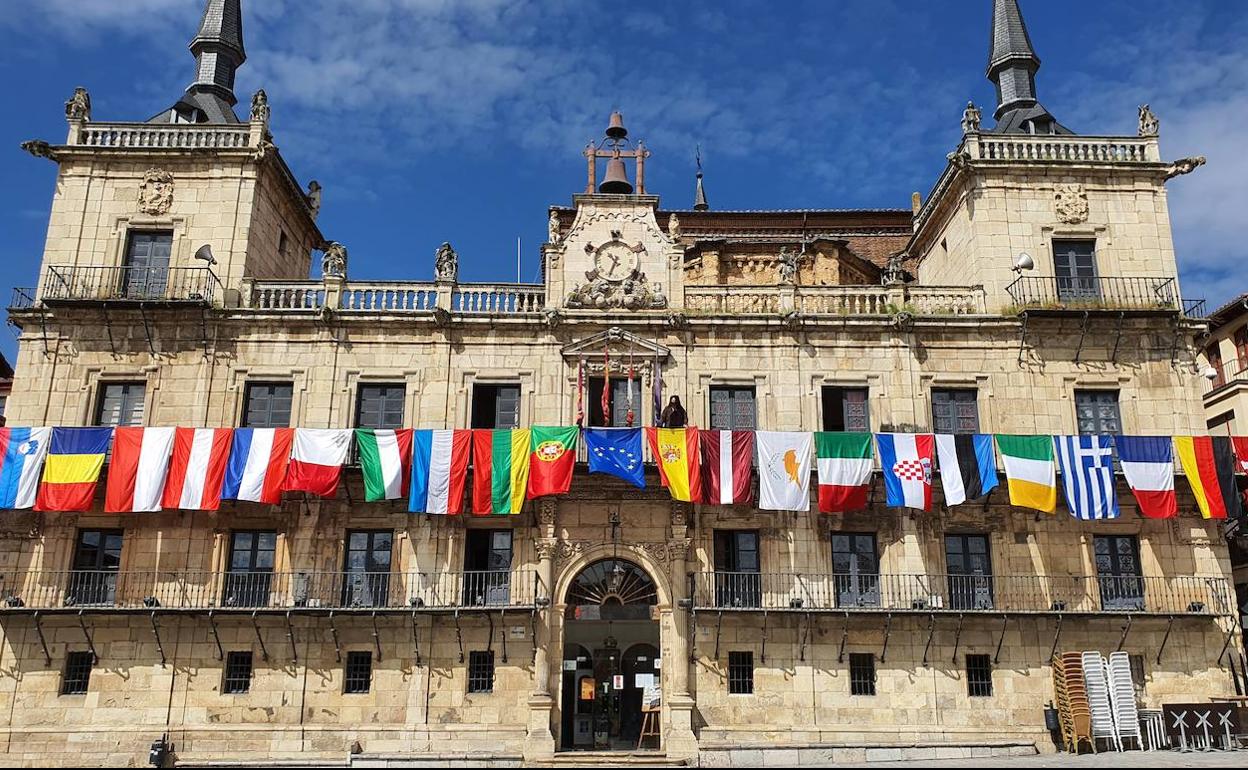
<point x="1148" y="465"/>
<point x="72" y="468"/>
<point x="439" y="470"/>
<point x="500" y="470"/>
<point x="385" y="462"/>
<point x="137" y="471"/>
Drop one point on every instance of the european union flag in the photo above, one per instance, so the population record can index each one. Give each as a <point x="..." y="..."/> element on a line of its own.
<point x="616" y="451"/>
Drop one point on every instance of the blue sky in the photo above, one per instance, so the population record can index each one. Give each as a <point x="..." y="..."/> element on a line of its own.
<point x="461" y="120"/>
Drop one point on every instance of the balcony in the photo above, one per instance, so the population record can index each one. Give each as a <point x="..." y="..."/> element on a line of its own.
<point x="1080" y="294"/>
<point x="486" y="299"/>
<point x="835" y="300"/>
<point x="1227" y="375"/>
<point x="129" y="285"/>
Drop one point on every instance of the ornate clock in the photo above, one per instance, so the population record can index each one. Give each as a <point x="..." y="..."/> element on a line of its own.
<point x="615" y="260"/>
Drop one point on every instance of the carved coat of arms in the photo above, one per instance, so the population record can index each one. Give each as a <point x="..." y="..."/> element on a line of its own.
<point x="156" y="192"/>
<point x="1070" y="202"/>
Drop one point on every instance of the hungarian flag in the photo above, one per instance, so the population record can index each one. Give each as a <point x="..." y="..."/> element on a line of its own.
<point x="259" y="458"/>
<point x="72" y="468"/>
<point x="439" y="470"/>
<point x="500" y="470"/>
<point x="906" y="459"/>
<point x="137" y="469"/>
<point x="197" y="471"/>
<point x="783" y="470"/>
<point x="676" y="452"/>
<point x="968" y="470"/>
<point x="1148" y="465"/>
<point x="1030" y="471"/>
<point x="385" y="461"/>
<point x="551" y="461"/>
<point x="21" y="460"/>
<point x="316" y="459"/>
<point x="844" y="463"/>
<point x="727" y="456"/>
<point x="1209" y="465"/>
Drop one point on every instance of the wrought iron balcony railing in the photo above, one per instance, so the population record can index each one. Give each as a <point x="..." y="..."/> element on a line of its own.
<point x="103" y="590"/>
<point x="23" y="297"/>
<point x="1042" y="594"/>
<point x="1085" y="293"/>
<point x="1226" y="374"/>
<point x="98" y="283"/>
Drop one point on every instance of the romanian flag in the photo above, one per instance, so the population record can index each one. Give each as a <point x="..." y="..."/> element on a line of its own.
<point x="677" y="454"/>
<point x="1209" y="465"/>
<point x="72" y="468"/>
<point x="500" y="470"/>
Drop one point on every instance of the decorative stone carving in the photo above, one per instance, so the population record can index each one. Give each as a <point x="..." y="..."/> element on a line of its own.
<point x="894" y="274"/>
<point x="441" y="317"/>
<point x="654" y="551"/>
<point x="678" y="548"/>
<point x="445" y="263"/>
<point x="632" y="293"/>
<point x="1149" y="124"/>
<point x="792" y="320"/>
<point x="79" y="105"/>
<point x="313" y="197"/>
<point x="38" y="148"/>
<point x="547" y="511"/>
<point x="673" y="227"/>
<point x="680" y="514"/>
<point x="334" y="261"/>
<point x="970" y="119"/>
<point x="1070" y="203"/>
<point x="260" y="106"/>
<point x="551" y="316"/>
<point x="262" y="150"/>
<point x="156" y="192"/>
<point x="552" y="228"/>
<point x="786" y="268"/>
<point x="677" y="320"/>
<point x="1184" y="166"/>
<point x="546" y="547"/>
<point x="566" y="550"/>
<point x="959" y="160"/>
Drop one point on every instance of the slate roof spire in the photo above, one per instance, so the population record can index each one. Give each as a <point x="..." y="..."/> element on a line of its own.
<point x="218" y="50"/>
<point x="1012" y="65"/>
<point x="699" y="194"/>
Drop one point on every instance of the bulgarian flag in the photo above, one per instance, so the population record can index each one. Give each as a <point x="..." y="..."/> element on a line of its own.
<point x="844" y="463"/>
<point x="676" y="452"/>
<point x="386" y="461"/>
<point x="439" y="470"/>
<point x="500" y="470"/>
<point x="552" y="459"/>
<point x="1030" y="471"/>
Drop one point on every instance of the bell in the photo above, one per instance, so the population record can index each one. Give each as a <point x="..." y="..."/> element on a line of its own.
<point x="616" y="129"/>
<point x="616" y="180"/>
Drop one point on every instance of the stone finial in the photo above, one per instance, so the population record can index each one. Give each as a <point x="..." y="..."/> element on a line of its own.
<point x="79" y="105"/>
<point x="970" y="118"/>
<point x="260" y="107"/>
<point x="313" y="197"/>
<point x="1149" y="124"/>
<point x="445" y="263"/>
<point x="1184" y="166"/>
<point x="334" y="261"/>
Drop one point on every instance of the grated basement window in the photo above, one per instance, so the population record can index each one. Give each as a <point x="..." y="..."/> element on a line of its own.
<point x="77" y="673"/>
<point x="861" y="673"/>
<point x="481" y="671"/>
<point x="359" y="672"/>
<point x="741" y="673"/>
<point x="237" y="673"/>
<point x="979" y="676"/>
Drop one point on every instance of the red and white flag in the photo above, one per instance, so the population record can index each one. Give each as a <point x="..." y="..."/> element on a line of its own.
<point x="137" y="469"/>
<point x="727" y="456"/>
<point x="200" y="457"/>
<point x="316" y="460"/>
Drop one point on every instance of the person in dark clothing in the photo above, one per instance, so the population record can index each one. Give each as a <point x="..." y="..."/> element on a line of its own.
<point x="674" y="415"/>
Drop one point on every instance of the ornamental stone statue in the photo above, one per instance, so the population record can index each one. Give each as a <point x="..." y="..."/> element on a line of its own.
<point x="787" y="268"/>
<point x="445" y="263"/>
<point x="970" y="118"/>
<point x="260" y="106"/>
<point x="552" y="228"/>
<point x="1149" y="124"/>
<point x="79" y="105"/>
<point x="334" y="262"/>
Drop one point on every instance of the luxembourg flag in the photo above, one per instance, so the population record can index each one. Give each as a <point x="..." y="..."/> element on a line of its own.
<point x="906" y="459"/>
<point x="197" y="472"/>
<point x="257" y="466"/>
<point x="439" y="470"/>
<point x="21" y="460"/>
<point x="316" y="460"/>
<point x="137" y="469"/>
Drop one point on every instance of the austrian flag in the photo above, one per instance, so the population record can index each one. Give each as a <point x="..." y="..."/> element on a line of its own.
<point x="136" y="473"/>
<point x="197" y="472"/>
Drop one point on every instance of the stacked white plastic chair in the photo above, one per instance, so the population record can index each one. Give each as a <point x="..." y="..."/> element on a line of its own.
<point x="1098" y="699"/>
<point x="1122" y="699"/>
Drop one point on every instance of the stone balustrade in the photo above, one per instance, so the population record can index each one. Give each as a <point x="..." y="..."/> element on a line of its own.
<point x="498" y="299"/>
<point x="175" y="136"/>
<point x="390" y="296"/>
<point x="836" y="300"/>
<point x="1082" y="149"/>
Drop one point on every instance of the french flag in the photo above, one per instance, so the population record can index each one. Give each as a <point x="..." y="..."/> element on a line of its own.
<point x="906" y="459"/>
<point x="439" y="469"/>
<point x="1148" y="465"/>
<point x="257" y="466"/>
<point x="21" y="460"/>
<point x="316" y="460"/>
<point x="137" y="469"/>
<point x="197" y="472"/>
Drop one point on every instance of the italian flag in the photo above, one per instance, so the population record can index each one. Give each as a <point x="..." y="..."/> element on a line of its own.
<point x="552" y="459"/>
<point x="500" y="470"/>
<point x="1030" y="471"/>
<point x="386" y="461"/>
<point x="844" y="463"/>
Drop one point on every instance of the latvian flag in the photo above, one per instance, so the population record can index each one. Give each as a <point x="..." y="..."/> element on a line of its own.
<point x="385" y="462"/>
<point x="906" y="459"/>
<point x="968" y="470"/>
<point x="1209" y="465"/>
<point x="258" y="462"/>
<point x="844" y="463"/>
<point x="727" y="456"/>
<point x="316" y="460"/>
<point x="439" y="470"/>
<point x="197" y="472"/>
<point x="137" y="469"/>
<point x="1148" y="465"/>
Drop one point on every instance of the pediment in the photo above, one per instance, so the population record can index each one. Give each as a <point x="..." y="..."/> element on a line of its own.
<point x="618" y="341"/>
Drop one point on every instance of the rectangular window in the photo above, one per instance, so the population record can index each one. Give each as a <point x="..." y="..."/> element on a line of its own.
<point x="366" y="582"/>
<point x="737" y="579"/>
<point x="970" y="572"/>
<point x="358" y="672"/>
<point x="861" y="673"/>
<point x="237" y="678"/>
<point x="856" y="569"/>
<point x="1074" y="265"/>
<point x="487" y="567"/>
<point x="97" y="559"/>
<point x="617" y="403"/>
<point x="77" y="673"/>
<point x="481" y="671"/>
<point x="252" y="555"/>
<point x="1118" y="572"/>
<point x="380" y="406"/>
<point x="845" y="409"/>
<point x="741" y="673"/>
<point x="733" y="408"/>
<point x="495" y="406"/>
<point x="955" y="410"/>
<point x="120" y="404"/>
<point x="1096" y="412"/>
<point x="267" y="404"/>
<point x="145" y="271"/>
<point x="979" y="676"/>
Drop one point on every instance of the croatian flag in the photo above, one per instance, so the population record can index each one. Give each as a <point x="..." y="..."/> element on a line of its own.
<point x="257" y="467"/>
<point x="197" y="472"/>
<point x="1087" y="465"/>
<point x="21" y="460"/>
<point x="906" y="459"/>
<point x="1148" y="465"/>
<point x="439" y="470"/>
<point x="316" y="460"/>
<point x="136" y="472"/>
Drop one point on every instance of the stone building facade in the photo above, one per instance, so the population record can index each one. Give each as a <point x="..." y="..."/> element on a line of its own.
<point x="1034" y="291"/>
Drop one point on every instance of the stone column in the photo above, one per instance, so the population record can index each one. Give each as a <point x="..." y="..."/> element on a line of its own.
<point x="540" y="741"/>
<point x="679" y="740"/>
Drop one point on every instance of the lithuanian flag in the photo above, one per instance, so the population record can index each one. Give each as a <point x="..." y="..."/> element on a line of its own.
<point x="1030" y="471"/>
<point x="75" y="458"/>
<point x="1209" y="464"/>
<point x="500" y="470"/>
<point x="676" y="452"/>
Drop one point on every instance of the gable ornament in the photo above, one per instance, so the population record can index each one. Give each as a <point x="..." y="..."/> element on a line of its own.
<point x="156" y="192"/>
<point x="1070" y="203"/>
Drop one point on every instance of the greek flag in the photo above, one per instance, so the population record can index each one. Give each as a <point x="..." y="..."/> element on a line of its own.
<point x="1087" y="466"/>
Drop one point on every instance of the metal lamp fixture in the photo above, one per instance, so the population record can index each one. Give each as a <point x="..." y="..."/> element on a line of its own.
<point x="1024" y="262"/>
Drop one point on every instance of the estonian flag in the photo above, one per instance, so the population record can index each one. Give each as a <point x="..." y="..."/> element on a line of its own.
<point x="968" y="470"/>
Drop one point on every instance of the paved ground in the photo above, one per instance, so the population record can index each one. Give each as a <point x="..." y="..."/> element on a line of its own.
<point x="1135" y="759"/>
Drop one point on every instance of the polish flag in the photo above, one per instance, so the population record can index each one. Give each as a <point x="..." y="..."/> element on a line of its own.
<point x="727" y="456"/>
<point x="200" y="456"/>
<point x="316" y="460"/>
<point x="258" y="462"/>
<point x="137" y="469"/>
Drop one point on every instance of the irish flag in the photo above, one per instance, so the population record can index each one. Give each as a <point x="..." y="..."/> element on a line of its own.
<point x="551" y="461"/>
<point x="316" y="459"/>
<point x="500" y="470"/>
<point x="439" y="469"/>
<point x="385" y="460"/>
<point x="137" y="470"/>
<point x="676" y="452"/>
<point x="1030" y="471"/>
<point x="844" y="463"/>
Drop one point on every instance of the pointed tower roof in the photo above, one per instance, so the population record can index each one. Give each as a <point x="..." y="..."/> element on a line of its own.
<point x="699" y="194"/>
<point x="218" y="50"/>
<point x="1012" y="65"/>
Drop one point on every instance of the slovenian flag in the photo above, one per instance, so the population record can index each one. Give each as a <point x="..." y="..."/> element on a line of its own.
<point x="906" y="459"/>
<point x="968" y="470"/>
<point x="137" y="469"/>
<point x="439" y="470"/>
<point x="197" y="471"/>
<point x="258" y="462"/>
<point x="1148" y="465"/>
<point x="500" y="470"/>
<point x="316" y="460"/>
<point x="72" y="468"/>
<point x="21" y="459"/>
<point x="385" y="462"/>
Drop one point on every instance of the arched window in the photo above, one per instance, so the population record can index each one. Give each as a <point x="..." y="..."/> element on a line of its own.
<point x="611" y="589"/>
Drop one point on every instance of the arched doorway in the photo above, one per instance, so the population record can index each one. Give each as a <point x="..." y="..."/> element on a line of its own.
<point x="610" y="660"/>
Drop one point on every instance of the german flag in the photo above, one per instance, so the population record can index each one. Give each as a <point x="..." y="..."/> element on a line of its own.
<point x="1209" y="465"/>
<point x="75" y="458"/>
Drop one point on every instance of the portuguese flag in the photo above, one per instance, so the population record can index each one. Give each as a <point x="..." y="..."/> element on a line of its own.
<point x="500" y="470"/>
<point x="552" y="460"/>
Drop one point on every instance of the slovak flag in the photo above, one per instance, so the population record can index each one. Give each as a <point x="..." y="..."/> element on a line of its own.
<point x="136" y="472"/>
<point x="257" y="467"/>
<point x="906" y="459"/>
<point x="197" y="472"/>
<point x="21" y="461"/>
<point x="1148" y="465"/>
<point x="316" y="460"/>
<point x="439" y="470"/>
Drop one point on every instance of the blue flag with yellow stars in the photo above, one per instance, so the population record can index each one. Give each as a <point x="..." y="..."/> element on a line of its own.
<point x="616" y="451"/>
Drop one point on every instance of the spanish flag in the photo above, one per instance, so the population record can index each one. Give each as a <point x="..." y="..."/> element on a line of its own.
<point x="677" y="454"/>
<point x="75" y="458"/>
<point x="1209" y="465"/>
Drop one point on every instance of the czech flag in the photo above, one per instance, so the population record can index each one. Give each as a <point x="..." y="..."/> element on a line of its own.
<point x="72" y="468"/>
<point x="1209" y="465"/>
<point x="197" y="473"/>
<point x="439" y="470"/>
<point x="316" y="460"/>
<point x="257" y="467"/>
<point x="136" y="473"/>
<point x="21" y="459"/>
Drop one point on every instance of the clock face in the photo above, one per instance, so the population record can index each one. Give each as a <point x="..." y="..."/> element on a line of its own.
<point x="615" y="261"/>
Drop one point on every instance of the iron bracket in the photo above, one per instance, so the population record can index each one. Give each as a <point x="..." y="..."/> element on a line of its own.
<point x="290" y="636"/>
<point x="931" y="631"/>
<point x="1164" y="639"/>
<point x="108" y="328"/>
<point x="502" y="624"/>
<point x="987" y="499"/>
<point x="693" y="634"/>
<point x="376" y="637"/>
<point x="1226" y="644"/>
<point x="957" y="638"/>
<point x="212" y="624"/>
<point x="1083" y="333"/>
<point x="459" y="636"/>
<point x="1005" y="621"/>
<point x="718" y="627"/>
<point x="840" y="656"/>
<point x="255" y="622"/>
<point x="805" y="638"/>
<point x="95" y="658"/>
<point x="147" y="328"/>
<point x="1125" y="630"/>
<point x="203" y="328"/>
<point x="1057" y="635"/>
<point x="533" y="632"/>
<point x="763" y="652"/>
<point x="1117" y="337"/>
<point x="888" y="631"/>
<point x="415" y="640"/>
<point x="47" y="657"/>
<point x="159" y="647"/>
<point x="333" y="632"/>
<point x="1022" y="338"/>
